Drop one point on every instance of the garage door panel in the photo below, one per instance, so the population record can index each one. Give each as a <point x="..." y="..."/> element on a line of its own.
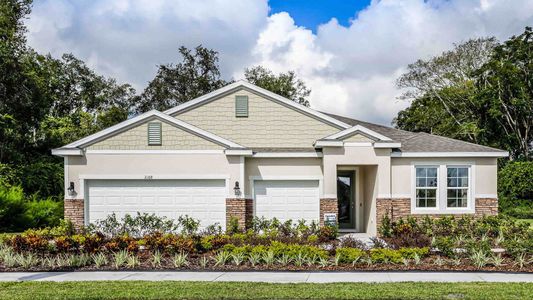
<point x="287" y="199"/>
<point x="200" y="199"/>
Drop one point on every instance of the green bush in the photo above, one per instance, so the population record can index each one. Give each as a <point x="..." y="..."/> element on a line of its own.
<point x="445" y="245"/>
<point x="515" y="191"/>
<point x="410" y="253"/>
<point x="349" y="255"/>
<point x="43" y="213"/>
<point x="12" y="209"/>
<point x="386" y="256"/>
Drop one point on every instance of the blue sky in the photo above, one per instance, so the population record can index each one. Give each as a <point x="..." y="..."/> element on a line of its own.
<point x="311" y="13"/>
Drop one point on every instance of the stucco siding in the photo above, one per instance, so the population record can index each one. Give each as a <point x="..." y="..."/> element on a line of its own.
<point x="269" y="124"/>
<point x="269" y="168"/>
<point x="485" y="173"/>
<point x="155" y="166"/>
<point x="173" y="138"/>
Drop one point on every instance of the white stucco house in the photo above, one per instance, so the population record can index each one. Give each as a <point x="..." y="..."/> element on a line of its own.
<point x="242" y="151"/>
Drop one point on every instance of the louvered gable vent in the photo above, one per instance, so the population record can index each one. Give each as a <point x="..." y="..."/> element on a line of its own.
<point x="241" y="106"/>
<point x="154" y="134"/>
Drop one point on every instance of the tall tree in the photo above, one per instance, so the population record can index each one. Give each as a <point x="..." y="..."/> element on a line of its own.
<point x="196" y="74"/>
<point x="284" y="84"/>
<point x="506" y="86"/>
<point x="444" y="86"/>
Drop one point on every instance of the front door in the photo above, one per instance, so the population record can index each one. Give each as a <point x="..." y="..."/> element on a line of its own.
<point x="346" y="199"/>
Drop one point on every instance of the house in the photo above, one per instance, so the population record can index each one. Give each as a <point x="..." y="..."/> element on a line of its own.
<point x="242" y="151"/>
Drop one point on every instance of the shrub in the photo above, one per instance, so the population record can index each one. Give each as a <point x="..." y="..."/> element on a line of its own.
<point x="135" y="226"/>
<point x="411" y="253"/>
<point x="348" y="255"/>
<point x="327" y="233"/>
<point x="233" y="226"/>
<point x="408" y="235"/>
<point x="385" y="256"/>
<point x="515" y="188"/>
<point x="445" y="245"/>
<point x="385" y="229"/>
<point x="214" y="242"/>
<point x="12" y="209"/>
<point x="41" y="213"/>
<point x="351" y="242"/>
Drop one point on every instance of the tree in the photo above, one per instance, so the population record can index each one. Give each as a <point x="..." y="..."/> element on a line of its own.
<point x="444" y="87"/>
<point x="195" y="75"/>
<point x="481" y="92"/>
<point x="284" y="84"/>
<point x="505" y="83"/>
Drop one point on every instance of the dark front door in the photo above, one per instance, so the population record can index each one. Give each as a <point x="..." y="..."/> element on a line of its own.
<point x="346" y="199"/>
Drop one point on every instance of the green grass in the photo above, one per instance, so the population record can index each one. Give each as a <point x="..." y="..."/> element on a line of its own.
<point x="528" y="221"/>
<point x="240" y="290"/>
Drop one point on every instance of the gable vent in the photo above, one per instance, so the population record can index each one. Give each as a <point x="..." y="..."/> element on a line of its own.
<point x="154" y="134"/>
<point x="241" y="106"/>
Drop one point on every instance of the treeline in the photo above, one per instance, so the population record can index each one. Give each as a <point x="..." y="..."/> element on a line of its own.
<point x="481" y="91"/>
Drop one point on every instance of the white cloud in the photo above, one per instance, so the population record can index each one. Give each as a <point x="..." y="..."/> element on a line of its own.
<point x="351" y="70"/>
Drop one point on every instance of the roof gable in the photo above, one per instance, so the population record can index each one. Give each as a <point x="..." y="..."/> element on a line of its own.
<point x="140" y="119"/>
<point x="241" y="84"/>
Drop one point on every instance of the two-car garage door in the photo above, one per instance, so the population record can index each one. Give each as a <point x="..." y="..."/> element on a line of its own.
<point x="204" y="200"/>
<point x="287" y="199"/>
<point x="201" y="199"/>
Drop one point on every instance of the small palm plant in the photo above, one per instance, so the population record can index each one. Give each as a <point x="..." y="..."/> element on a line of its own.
<point x="132" y="261"/>
<point x="300" y="259"/>
<point x="204" y="261"/>
<point x="254" y="259"/>
<point x="284" y="259"/>
<point x="156" y="259"/>
<point x="120" y="258"/>
<point x="221" y="258"/>
<point x="238" y="258"/>
<point x="99" y="259"/>
<point x="323" y="262"/>
<point x="269" y="258"/>
<point x="180" y="260"/>
<point x="479" y="259"/>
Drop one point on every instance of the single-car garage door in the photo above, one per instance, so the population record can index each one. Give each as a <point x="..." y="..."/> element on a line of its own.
<point x="287" y="199"/>
<point x="203" y="200"/>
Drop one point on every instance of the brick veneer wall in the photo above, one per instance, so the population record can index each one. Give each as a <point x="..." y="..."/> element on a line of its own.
<point x="328" y="205"/>
<point x="240" y="208"/>
<point x="74" y="210"/>
<point x="397" y="208"/>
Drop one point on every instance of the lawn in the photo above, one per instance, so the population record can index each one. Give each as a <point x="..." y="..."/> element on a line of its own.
<point x="239" y="290"/>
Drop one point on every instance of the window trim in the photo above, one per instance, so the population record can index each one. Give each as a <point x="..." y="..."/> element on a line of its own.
<point x="437" y="194"/>
<point x="469" y="189"/>
<point x="442" y="187"/>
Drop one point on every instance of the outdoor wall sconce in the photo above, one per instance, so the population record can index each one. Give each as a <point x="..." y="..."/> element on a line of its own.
<point x="237" y="189"/>
<point x="70" y="189"/>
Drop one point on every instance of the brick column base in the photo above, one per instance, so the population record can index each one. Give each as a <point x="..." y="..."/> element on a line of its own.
<point x="328" y="206"/>
<point x="74" y="210"/>
<point x="239" y="208"/>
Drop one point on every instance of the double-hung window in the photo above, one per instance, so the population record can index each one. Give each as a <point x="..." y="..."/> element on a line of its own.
<point x="458" y="185"/>
<point x="427" y="185"/>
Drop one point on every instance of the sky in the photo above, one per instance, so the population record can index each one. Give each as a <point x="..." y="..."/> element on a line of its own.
<point x="349" y="53"/>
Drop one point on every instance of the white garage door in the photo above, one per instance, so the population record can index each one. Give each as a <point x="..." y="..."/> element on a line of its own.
<point x="201" y="199"/>
<point x="287" y="199"/>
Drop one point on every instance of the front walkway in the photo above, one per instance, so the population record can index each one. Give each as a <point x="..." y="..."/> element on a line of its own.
<point x="277" y="277"/>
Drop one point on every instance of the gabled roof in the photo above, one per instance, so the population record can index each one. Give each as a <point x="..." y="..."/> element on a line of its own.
<point x="74" y="147"/>
<point x="267" y="94"/>
<point x="425" y="144"/>
<point x="357" y="129"/>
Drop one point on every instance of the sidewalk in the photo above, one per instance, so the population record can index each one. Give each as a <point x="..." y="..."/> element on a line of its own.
<point x="274" y="277"/>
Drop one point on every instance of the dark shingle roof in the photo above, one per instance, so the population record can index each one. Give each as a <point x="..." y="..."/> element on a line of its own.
<point x="419" y="141"/>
